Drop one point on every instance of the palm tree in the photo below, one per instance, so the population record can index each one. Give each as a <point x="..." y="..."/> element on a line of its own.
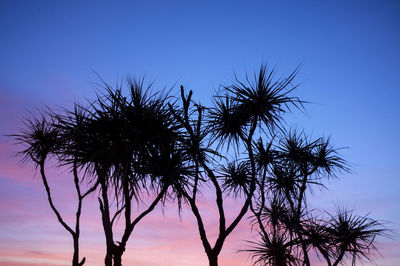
<point x="310" y="159"/>
<point x="148" y="144"/>
<point x="43" y="140"/>
<point x="294" y="165"/>
<point x="243" y="108"/>
<point x="126" y="145"/>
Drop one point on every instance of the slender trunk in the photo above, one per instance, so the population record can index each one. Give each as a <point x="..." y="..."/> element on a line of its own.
<point x="108" y="258"/>
<point x="74" y="234"/>
<point x="129" y="227"/>
<point x="118" y="255"/>
<point x="109" y="252"/>
<point x="75" y="258"/>
<point x="213" y="259"/>
<point x="298" y="215"/>
<point x="105" y="213"/>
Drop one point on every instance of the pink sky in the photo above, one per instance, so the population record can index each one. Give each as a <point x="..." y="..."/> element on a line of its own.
<point x="30" y="234"/>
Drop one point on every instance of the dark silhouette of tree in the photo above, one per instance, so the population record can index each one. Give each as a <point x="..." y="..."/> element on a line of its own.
<point x="154" y="146"/>
<point x="127" y="147"/>
<point x="42" y="140"/>
<point x="130" y="147"/>
<point x="288" y="229"/>
<point x="239" y="113"/>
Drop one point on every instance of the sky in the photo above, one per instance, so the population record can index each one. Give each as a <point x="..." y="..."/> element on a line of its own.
<point x="51" y="53"/>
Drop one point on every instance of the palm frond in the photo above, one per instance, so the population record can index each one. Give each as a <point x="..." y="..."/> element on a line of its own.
<point x="264" y="98"/>
<point x="277" y="250"/>
<point x="353" y="236"/>
<point x="236" y="178"/>
<point x="265" y="155"/>
<point x="40" y="138"/>
<point x="276" y="214"/>
<point x="228" y="121"/>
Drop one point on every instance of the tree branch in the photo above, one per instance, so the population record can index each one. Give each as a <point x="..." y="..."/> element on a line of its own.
<point x="46" y="185"/>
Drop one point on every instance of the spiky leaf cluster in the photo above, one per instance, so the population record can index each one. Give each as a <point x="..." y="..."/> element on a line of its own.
<point x="236" y="178"/>
<point x="244" y="106"/>
<point x="39" y="137"/>
<point x="276" y="251"/>
<point x="295" y="165"/>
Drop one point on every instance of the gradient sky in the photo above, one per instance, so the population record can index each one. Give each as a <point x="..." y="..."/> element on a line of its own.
<point x="350" y="57"/>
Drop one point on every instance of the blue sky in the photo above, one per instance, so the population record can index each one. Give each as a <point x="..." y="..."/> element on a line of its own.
<point x="348" y="51"/>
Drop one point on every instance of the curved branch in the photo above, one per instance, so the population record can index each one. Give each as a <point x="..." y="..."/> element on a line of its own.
<point x="130" y="228"/>
<point x="202" y="231"/>
<point x="46" y="185"/>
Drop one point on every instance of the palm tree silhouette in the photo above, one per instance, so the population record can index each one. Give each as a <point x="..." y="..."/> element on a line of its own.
<point x="126" y="145"/>
<point x="352" y="236"/>
<point x="291" y="166"/>
<point x="43" y="140"/>
<point x="155" y="146"/>
<point x="243" y="108"/>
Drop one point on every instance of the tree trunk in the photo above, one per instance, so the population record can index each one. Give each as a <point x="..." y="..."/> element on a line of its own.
<point x="213" y="260"/>
<point x="118" y="255"/>
<point x="108" y="258"/>
<point x="107" y="226"/>
<point x="117" y="259"/>
<point x="75" y="258"/>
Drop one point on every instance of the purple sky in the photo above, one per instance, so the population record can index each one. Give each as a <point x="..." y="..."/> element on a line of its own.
<point x="350" y="56"/>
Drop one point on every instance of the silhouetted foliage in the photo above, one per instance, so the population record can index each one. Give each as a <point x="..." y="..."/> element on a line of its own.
<point x="127" y="145"/>
<point x="292" y="166"/>
<point x="240" y="113"/>
<point x="150" y="144"/>
<point x="42" y="139"/>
